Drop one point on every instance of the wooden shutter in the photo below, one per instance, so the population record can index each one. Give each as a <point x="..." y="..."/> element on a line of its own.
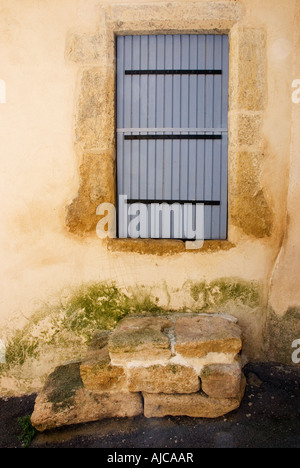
<point x="172" y="108"/>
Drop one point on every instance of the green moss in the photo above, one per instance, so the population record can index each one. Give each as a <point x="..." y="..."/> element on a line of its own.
<point x="206" y="372"/>
<point x="28" y="431"/>
<point x="219" y="292"/>
<point x="21" y="347"/>
<point x="225" y="290"/>
<point x="130" y="340"/>
<point x="72" y="324"/>
<point x="62" y="385"/>
<point x="96" y="306"/>
<point x="198" y="289"/>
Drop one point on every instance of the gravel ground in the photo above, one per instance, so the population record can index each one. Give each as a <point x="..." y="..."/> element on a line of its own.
<point x="269" y="417"/>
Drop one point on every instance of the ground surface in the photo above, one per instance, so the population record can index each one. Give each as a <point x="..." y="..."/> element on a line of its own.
<point x="269" y="417"/>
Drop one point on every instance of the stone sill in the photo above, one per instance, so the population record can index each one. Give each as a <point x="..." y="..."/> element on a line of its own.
<point x="163" y="246"/>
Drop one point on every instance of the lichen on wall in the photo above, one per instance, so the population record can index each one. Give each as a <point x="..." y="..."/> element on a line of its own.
<point x="61" y="332"/>
<point x="220" y="292"/>
<point x="249" y="208"/>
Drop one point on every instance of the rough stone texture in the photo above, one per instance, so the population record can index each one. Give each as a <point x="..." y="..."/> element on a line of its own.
<point x="221" y="380"/>
<point x="198" y="336"/>
<point x="171" y="378"/>
<point x="99" y="387"/>
<point x="140" y="339"/>
<point x="96" y="96"/>
<point x="249" y="209"/>
<point x="196" y="405"/>
<point x="95" y="143"/>
<point x="99" y="340"/>
<point x="161" y="247"/>
<point x="246" y="129"/>
<point x="175" y="16"/>
<point x="252" y="70"/>
<point x="65" y="401"/>
<point x="99" y="375"/>
<point x="96" y="186"/>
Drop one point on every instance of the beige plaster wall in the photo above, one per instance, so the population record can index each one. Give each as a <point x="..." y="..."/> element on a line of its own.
<point x="285" y="290"/>
<point x="40" y="156"/>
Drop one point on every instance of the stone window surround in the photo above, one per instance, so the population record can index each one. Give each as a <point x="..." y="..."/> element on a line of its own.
<point x="95" y="126"/>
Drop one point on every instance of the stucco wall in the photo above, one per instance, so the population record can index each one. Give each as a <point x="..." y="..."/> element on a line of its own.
<point x="57" y="163"/>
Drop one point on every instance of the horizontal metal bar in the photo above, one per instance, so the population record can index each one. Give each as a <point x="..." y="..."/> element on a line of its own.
<point x="173" y="137"/>
<point x="181" y="202"/>
<point x="173" y="72"/>
<point x="170" y="129"/>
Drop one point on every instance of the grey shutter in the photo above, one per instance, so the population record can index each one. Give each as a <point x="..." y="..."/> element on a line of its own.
<point x="172" y="106"/>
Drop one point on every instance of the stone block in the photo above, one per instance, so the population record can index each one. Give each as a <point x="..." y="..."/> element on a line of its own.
<point x="65" y="401"/>
<point x="96" y="173"/>
<point x="99" y="375"/>
<point x="198" y="336"/>
<point x="221" y="380"/>
<point x="83" y="48"/>
<point x="172" y="378"/>
<point x="245" y="129"/>
<point x="197" y="405"/>
<point x="252" y="70"/>
<point x="140" y="339"/>
<point x="99" y="340"/>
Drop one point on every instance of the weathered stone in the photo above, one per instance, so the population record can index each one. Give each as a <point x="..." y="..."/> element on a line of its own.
<point x="65" y="401"/>
<point x="172" y="378"/>
<point x="249" y="207"/>
<point x="96" y="173"/>
<point x="99" y="340"/>
<point x="198" y="336"/>
<point x="221" y="380"/>
<point x="98" y="374"/>
<point x="83" y="48"/>
<point x="96" y="91"/>
<point x="252" y="70"/>
<point x="197" y="405"/>
<point x="140" y="339"/>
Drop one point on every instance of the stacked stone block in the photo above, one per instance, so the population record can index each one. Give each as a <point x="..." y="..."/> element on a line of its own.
<point x="156" y="366"/>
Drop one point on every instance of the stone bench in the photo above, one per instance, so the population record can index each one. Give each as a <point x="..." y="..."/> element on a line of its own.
<point x="178" y="365"/>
